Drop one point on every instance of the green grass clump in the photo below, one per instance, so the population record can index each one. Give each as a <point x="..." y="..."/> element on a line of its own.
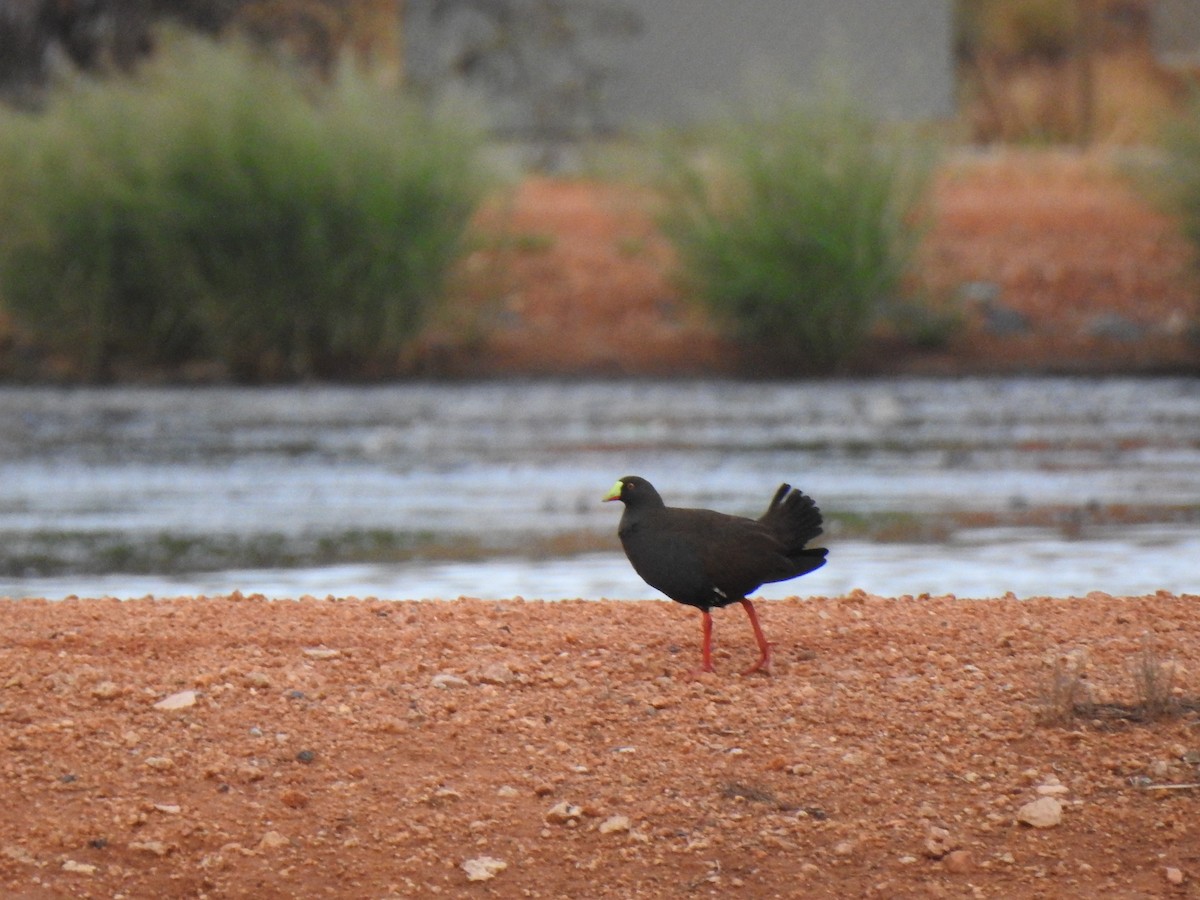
<point x="796" y="224"/>
<point x="222" y="207"/>
<point x="1180" y="186"/>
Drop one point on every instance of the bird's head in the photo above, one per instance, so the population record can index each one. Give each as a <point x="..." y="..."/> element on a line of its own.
<point x="633" y="490"/>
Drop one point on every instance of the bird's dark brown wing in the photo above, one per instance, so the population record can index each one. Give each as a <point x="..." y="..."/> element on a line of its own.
<point x="701" y="557"/>
<point x="737" y="555"/>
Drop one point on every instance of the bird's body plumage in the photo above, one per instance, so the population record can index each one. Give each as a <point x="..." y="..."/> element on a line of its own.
<point x="709" y="559"/>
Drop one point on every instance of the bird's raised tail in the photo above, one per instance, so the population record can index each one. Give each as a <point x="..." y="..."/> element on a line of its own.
<point x="794" y="519"/>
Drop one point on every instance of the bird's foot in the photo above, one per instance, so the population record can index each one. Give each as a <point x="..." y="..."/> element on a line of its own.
<point x="763" y="665"/>
<point x="702" y="673"/>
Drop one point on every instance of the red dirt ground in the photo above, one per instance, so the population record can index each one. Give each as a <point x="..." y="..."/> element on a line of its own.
<point x="361" y="748"/>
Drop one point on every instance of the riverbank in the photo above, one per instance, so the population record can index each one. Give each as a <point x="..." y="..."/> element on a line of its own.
<point x="1050" y="261"/>
<point x="1035" y="262"/>
<point x="233" y="747"/>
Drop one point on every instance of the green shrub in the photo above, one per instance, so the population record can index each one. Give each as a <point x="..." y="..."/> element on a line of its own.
<point x="72" y="263"/>
<point x="219" y="206"/>
<point x="795" y="226"/>
<point x="1180" y="188"/>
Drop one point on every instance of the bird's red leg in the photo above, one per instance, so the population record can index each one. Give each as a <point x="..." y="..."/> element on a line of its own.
<point x="706" y="647"/>
<point x="764" y="659"/>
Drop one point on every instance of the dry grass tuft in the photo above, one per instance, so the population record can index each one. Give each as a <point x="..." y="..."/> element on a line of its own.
<point x="1154" y="683"/>
<point x="1066" y="695"/>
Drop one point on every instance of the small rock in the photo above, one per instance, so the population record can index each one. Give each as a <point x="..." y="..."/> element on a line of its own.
<point x="70" y="865"/>
<point x="1052" y="790"/>
<point x="160" y="763"/>
<point x="18" y="854"/>
<point x="293" y="799"/>
<point x="1174" y="875"/>
<point x="496" y="673"/>
<point x="938" y="842"/>
<point x="321" y="653"/>
<point x="170" y="809"/>
<point x="1002" y="320"/>
<point x="179" y="700"/>
<point x="959" y="862"/>
<point x="507" y="790"/>
<point x="1115" y="327"/>
<point x="564" y="812"/>
<point x="106" y="690"/>
<point x="273" y="840"/>
<point x="446" y="680"/>
<point x="998" y="319"/>
<point x="1051" y="787"/>
<point x="483" y="868"/>
<point x="615" y="823"/>
<point x="154" y="848"/>
<point x="258" y="679"/>
<point x="979" y="292"/>
<point x="1044" y="813"/>
<point x="306" y="756"/>
<point x="843" y="848"/>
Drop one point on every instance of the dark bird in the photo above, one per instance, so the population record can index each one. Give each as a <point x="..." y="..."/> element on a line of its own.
<point x="706" y="559"/>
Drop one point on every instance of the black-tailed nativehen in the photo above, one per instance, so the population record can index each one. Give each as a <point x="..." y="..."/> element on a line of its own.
<point x="708" y="559"/>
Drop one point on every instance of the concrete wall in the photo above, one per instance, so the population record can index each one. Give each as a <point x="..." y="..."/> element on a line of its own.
<point x="576" y="67"/>
<point x="894" y="53"/>
<point x="1176" y="31"/>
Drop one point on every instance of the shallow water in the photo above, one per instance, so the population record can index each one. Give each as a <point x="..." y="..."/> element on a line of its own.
<point x="196" y="488"/>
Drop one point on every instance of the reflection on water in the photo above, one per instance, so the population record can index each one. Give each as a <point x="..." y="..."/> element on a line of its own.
<point x="489" y="478"/>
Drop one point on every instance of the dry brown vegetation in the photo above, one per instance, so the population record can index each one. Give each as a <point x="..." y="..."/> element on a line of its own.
<point x="1083" y="71"/>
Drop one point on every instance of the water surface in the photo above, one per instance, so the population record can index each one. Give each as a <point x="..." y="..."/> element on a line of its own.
<point x="967" y="486"/>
